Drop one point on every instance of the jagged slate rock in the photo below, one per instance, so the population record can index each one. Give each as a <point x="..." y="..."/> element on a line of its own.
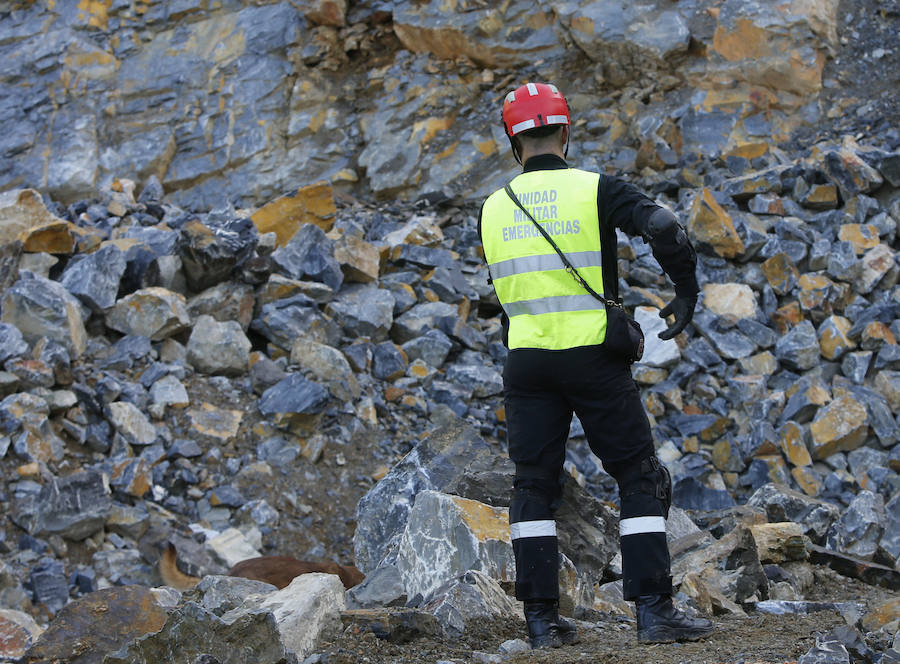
<point x="860" y="527"/>
<point x="728" y="342"/>
<point x="804" y="403"/>
<point x="161" y="241"/>
<point x="843" y="263"/>
<point x="364" y="311"/>
<point x="484" y="380"/>
<point x="708" y="427"/>
<point x="782" y="503"/>
<point x="123" y="567"/>
<point x="264" y="373"/>
<point x="221" y="594"/>
<point x="855" y="365"/>
<point x="284" y="321"/>
<point x="690" y="494"/>
<point x="49" y="585"/>
<point x="310" y="254"/>
<point x="18" y="631"/>
<point x="328" y="366"/>
<point x="154" y="312"/>
<point x="841" y="426"/>
<point x="12" y="344"/>
<point x="876" y="264"/>
<point x="452" y="395"/>
<point x="803" y="607"/>
<point x="450" y="284"/>
<point x="433" y="347"/>
<point x="433" y="464"/>
<point x="142" y="270"/>
<point x="701" y="353"/>
<point x="39" y="307"/>
<point x="889" y="545"/>
<point x="381" y="588"/>
<point x="657" y="352"/>
<point x="762" y="335"/>
<point x="94" y="278"/>
<point x="226" y="301"/>
<point x="419" y="319"/>
<point x="461" y="331"/>
<point x="56" y="356"/>
<point x="888" y="384"/>
<point x="304" y="612"/>
<point x="734" y="558"/>
<point x="75" y="506"/>
<point x="459" y="33"/>
<point x="226" y="495"/>
<point x="292" y="400"/>
<point x="849" y="172"/>
<point x="423" y="257"/>
<point x="388" y="361"/>
<point x="883" y="312"/>
<point x="709" y="224"/>
<point x="888" y="356"/>
<point x="447" y="535"/>
<point x="11" y="263"/>
<point x="128" y="520"/>
<point x="472" y="595"/>
<point x="277" y="451"/>
<point x="826" y="652"/>
<point x="192" y="632"/>
<point x="210" y="252"/>
<point x="853" y="641"/>
<point x="125" y="353"/>
<point x="131" y="423"/>
<point x="169" y="391"/>
<point x="31" y="373"/>
<point x="392" y="624"/>
<point x="881" y="418"/>
<point x="218" y="348"/>
<point x="799" y="348"/>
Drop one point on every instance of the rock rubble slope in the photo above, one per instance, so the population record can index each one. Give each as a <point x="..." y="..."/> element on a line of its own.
<point x="189" y="354"/>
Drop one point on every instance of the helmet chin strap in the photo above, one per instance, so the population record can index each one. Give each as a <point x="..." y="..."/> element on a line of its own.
<point x="515" y="150"/>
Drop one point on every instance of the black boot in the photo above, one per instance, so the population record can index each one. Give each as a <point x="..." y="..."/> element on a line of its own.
<point x="546" y="628"/>
<point x="658" y="621"/>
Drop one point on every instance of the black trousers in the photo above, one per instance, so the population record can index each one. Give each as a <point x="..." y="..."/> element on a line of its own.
<point x="541" y="391"/>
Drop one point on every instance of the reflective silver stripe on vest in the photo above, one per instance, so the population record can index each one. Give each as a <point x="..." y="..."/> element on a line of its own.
<point x="642" y="524"/>
<point x="552" y="305"/>
<point x="522" y="529"/>
<point x="513" y="266"/>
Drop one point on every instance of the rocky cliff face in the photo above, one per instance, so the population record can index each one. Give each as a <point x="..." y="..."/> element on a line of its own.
<point x="239" y="102"/>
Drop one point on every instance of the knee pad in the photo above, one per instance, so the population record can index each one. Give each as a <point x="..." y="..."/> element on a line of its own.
<point x="650" y="478"/>
<point x="537" y="485"/>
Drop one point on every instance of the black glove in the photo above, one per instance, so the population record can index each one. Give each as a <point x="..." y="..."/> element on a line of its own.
<point x="683" y="308"/>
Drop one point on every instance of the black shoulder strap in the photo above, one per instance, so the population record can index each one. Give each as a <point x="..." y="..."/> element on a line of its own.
<point x="608" y="246"/>
<point x="569" y="267"/>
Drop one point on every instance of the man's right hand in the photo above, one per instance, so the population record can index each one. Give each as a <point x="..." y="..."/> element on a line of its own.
<point x="683" y="310"/>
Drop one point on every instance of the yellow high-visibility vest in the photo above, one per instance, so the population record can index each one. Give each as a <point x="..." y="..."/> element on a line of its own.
<point x="546" y="307"/>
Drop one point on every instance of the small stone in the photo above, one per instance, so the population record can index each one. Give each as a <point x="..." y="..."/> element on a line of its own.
<point x="218" y="348"/>
<point x="843" y="263"/>
<point x="731" y="300"/>
<point x="876" y="264"/>
<point x="860" y="527"/>
<point x="781" y="273"/>
<point x="875" y="335"/>
<point x="833" y="337"/>
<point x="710" y="225"/>
<point x="328" y="366"/>
<point x="310" y="254"/>
<point x="215" y="423"/>
<point x="840" y="426"/>
<point x="312" y="204"/>
<point x="94" y="278"/>
<point x="360" y="260"/>
<point x="888" y="384"/>
<point x="793" y="444"/>
<point x="132" y="423"/>
<point x="227" y="301"/>
<point x="12" y="344"/>
<point x="294" y="400"/>
<point x="862" y="236"/>
<point x="799" y="348"/>
<point x="856" y="365"/>
<point x="169" y="391"/>
<point x="211" y="252"/>
<point x="156" y="313"/>
<point x="389" y="362"/>
<point x="39" y="307"/>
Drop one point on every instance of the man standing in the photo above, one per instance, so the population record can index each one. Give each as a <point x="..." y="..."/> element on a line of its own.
<point x="557" y="363"/>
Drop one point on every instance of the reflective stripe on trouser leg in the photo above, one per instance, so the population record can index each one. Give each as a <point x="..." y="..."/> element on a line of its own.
<point x="645" y="552"/>
<point x="533" y="533"/>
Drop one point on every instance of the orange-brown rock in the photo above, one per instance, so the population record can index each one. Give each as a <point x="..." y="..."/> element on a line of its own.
<point x="841" y="426"/>
<point x="793" y="444"/>
<point x="833" y="338"/>
<point x="861" y="236"/>
<point x="313" y="204"/>
<point x="21" y="210"/>
<point x="54" y="237"/>
<point x="710" y="224"/>
<point x="781" y="273"/>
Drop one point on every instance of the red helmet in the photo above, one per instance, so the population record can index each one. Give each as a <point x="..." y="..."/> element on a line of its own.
<point x="534" y="105"/>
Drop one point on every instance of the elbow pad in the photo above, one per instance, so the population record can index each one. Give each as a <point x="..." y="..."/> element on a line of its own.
<point x="662" y="224"/>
